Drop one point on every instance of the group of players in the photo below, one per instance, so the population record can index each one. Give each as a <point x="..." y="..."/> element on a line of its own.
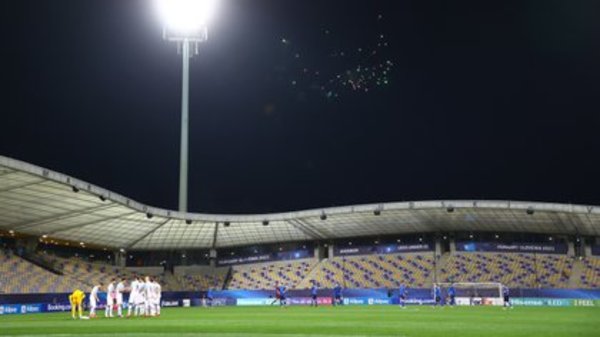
<point x="281" y="291"/>
<point x="281" y="295"/>
<point x="144" y="298"/>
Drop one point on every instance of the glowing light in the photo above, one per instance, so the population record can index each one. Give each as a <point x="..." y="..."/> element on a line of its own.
<point x="186" y="15"/>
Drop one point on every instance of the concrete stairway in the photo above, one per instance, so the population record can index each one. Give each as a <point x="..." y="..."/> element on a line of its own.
<point x="576" y="272"/>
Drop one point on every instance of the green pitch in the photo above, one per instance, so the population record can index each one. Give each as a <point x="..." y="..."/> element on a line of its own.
<point x="322" y="321"/>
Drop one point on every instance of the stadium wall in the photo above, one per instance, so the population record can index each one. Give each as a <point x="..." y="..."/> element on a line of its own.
<point x="470" y="246"/>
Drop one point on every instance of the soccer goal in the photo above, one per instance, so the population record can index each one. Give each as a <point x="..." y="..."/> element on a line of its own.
<point x="475" y="293"/>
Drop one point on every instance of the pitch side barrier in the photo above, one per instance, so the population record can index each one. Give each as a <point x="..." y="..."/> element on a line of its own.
<point x="58" y="302"/>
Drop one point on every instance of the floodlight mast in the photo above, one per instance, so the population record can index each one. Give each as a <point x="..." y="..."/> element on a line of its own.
<point x="184" y="42"/>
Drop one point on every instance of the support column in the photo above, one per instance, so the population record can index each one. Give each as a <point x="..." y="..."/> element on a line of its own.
<point x="438" y="247"/>
<point x="318" y="252"/>
<point x="570" y="247"/>
<point x="120" y="259"/>
<point x="587" y="248"/>
<point x="452" y="246"/>
<point x="330" y="250"/>
<point x="213" y="258"/>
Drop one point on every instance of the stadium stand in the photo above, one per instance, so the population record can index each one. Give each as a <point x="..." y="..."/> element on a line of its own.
<point x="194" y="278"/>
<point x="201" y="281"/>
<point x="373" y="271"/>
<point x="517" y="270"/>
<point x="590" y="277"/>
<point x="512" y="269"/>
<point x="264" y="275"/>
<point x="18" y="276"/>
<point x="89" y="274"/>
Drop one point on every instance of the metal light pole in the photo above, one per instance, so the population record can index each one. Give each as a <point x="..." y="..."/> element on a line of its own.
<point x="184" y="43"/>
<point x="185" y="23"/>
<point x="183" y="158"/>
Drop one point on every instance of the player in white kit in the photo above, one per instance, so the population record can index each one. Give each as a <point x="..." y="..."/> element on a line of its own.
<point x="110" y="299"/>
<point x="158" y="296"/>
<point x="149" y="293"/>
<point x="94" y="300"/>
<point x="133" y="294"/>
<point x="139" y="300"/>
<point x="119" y="297"/>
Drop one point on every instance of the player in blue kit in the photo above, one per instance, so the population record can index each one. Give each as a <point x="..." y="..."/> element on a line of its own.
<point x="282" y="295"/>
<point x="402" y="292"/>
<point x="337" y="295"/>
<point x="313" y="294"/>
<point x="452" y="295"/>
<point x="437" y="295"/>
<point x="506" y="295"/>
<point x="208" y="301"/>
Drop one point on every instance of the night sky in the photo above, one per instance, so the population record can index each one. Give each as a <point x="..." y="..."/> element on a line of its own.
<point x="311" y="103"/>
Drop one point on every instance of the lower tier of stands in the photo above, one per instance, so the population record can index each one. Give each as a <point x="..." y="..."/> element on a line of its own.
<point x="418" y="270"/>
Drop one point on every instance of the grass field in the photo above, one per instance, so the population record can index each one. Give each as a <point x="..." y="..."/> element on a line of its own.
<point x="322" y="321"/>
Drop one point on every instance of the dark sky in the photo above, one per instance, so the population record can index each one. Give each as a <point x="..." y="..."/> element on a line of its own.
<point x="485" y="100"/>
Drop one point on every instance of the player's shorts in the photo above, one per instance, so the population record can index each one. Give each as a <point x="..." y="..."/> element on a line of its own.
<point x="438" y="299"/>
<point x="506" y="298"/>
<point x="338" y="297"/>
<point x="314" y="297"/>
<point x="93" y="303"/>
<point x="277" y="296"/>
<point x="119" y="299"/>
<point x="402" y="297"/>
<point x="282" y="297"/>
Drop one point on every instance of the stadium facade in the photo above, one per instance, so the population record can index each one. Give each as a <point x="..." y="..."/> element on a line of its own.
<point x="76" y="233"/>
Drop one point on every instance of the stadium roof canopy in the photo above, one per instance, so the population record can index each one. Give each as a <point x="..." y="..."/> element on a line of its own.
<point x="38" y="201"/>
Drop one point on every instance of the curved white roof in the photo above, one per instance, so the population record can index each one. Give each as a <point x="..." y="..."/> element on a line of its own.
<point x="38" y="201"/>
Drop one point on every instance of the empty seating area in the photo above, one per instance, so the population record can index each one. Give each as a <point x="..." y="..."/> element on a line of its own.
<point x="517" y="270"/>
<point x="590" y="276"/>
<point x="374" y="271"/>
<point x="90" y="274"/>
<point x="512" y="269"/>
<point x="201" y="281"/>
<point x="18" y="276"/>
<point x="265" y="275"/>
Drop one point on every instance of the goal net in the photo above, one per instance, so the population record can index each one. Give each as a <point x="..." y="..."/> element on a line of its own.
<point x="475" y="293"/>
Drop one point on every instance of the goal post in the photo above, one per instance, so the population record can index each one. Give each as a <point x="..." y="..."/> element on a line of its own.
<point x="475" y="293"/>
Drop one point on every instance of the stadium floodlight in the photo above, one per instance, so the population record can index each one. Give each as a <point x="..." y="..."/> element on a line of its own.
<point x="185" y="22"/>
<point x="186" y="17"/>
